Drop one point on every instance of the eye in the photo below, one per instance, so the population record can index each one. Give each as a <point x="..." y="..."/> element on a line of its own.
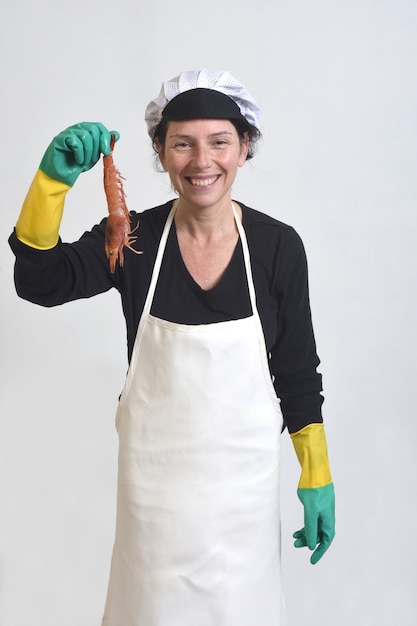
<point x="220" y="143"/>
<point x="181" y="146"/>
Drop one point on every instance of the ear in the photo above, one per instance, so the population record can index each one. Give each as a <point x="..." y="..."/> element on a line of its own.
<point x="244" y="149"/>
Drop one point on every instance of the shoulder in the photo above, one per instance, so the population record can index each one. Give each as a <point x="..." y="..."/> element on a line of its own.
<point x="267" y="233"/>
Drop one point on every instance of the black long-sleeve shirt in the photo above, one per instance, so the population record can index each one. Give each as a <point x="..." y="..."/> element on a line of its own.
<point x="81" y="270"/>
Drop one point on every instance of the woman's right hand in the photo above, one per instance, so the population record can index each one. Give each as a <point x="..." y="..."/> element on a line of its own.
<point x="76" y="149"/>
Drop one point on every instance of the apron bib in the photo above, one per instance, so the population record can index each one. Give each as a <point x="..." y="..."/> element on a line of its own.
<point x="198" y="524"/>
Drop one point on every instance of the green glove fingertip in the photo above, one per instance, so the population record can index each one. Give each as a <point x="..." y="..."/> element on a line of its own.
<point x="106" y="140"/>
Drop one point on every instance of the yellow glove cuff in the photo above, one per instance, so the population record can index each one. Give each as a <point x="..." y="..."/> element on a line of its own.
<point x="41" y="214"/>
<point x="311" y="449"/>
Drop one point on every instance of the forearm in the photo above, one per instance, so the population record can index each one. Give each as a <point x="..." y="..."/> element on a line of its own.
<point x="40" y="217"/>
<point x="301" y="397"/>
<point x="63" y="273"/>
<point x="311" y="449"/>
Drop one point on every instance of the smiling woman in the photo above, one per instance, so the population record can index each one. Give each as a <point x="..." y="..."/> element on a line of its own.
<point x="221" y="356"/>
<point x="202" y="158"/>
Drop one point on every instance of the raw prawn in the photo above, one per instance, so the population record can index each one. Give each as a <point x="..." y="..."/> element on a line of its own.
<point x="118" y="229"/>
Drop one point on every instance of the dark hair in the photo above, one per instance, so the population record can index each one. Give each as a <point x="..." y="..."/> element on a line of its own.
<point x="242" y="127"/>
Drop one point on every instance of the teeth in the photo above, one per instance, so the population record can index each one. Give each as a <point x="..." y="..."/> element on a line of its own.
<point x="198" y="182"/>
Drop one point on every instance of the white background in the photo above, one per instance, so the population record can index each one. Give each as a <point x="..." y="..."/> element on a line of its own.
<point x="336" y="81"/>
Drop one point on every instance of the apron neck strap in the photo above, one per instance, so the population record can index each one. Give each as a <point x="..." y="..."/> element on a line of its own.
<point x="246" y="257"/>
<point x="158" y="260"/>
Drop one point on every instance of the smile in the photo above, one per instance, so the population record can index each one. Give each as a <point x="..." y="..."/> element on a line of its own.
<point x="202" y="182"/>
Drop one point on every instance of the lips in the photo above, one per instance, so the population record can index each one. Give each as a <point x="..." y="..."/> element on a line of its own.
<point x="203" y="182"/>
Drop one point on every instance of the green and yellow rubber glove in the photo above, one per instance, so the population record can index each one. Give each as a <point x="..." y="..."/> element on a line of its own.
<point x="75" y="150"/>
<point x="315" y="490"/>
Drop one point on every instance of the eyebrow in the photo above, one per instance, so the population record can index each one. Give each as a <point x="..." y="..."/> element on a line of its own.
<point x="185" y="136"/>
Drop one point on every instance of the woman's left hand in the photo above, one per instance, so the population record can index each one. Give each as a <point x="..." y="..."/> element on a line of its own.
<point x="319" y="520"/>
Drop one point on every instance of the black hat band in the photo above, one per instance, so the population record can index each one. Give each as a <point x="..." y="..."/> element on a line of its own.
<point x="201" y="103"/>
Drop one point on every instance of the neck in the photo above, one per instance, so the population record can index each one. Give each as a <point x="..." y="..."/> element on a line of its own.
<point x="206" y="223"/>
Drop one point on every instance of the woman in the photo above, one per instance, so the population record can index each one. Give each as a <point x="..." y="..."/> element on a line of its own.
<point x="221" y="355"/>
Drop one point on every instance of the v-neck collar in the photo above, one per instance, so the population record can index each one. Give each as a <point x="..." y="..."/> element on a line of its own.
<point x="237" y="252"/>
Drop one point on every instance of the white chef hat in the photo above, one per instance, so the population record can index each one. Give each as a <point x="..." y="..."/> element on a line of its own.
<point x="202" y="94"/>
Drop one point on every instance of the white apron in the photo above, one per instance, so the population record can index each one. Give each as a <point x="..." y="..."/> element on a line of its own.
<point x="198" y="524"/>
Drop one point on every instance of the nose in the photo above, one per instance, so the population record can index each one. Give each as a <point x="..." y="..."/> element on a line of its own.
<point x="201" y="157"/>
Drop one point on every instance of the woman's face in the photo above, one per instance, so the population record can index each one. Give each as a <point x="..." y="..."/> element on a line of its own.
<point x="202" y="157"/>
